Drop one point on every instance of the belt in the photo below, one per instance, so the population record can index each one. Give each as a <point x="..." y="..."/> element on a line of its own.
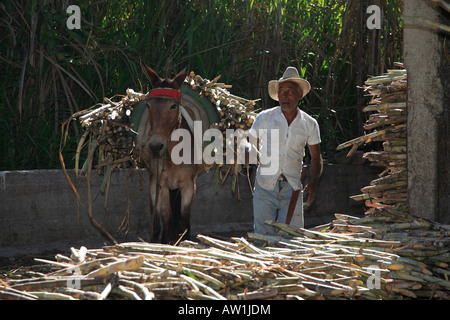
<point x="282" y="178"/>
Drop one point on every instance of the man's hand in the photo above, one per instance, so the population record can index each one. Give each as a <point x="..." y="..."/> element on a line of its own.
<point x="310" y="189"/>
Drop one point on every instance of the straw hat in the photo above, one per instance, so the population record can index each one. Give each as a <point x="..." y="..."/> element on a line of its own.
<point x="291" y="74"/>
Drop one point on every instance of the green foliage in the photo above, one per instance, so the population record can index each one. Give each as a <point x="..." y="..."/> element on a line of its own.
<point x="49" y="72"/>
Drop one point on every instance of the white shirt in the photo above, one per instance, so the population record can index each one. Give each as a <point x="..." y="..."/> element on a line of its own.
<point x="284" y="145"/>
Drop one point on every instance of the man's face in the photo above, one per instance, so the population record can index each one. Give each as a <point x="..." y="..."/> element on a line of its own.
<point x="289" y="94"/>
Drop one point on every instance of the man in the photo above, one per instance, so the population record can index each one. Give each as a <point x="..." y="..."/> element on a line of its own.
<point x="289" y="129"/>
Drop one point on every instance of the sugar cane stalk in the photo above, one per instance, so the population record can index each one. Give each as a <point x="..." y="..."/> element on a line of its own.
<point x="129" y="264"/>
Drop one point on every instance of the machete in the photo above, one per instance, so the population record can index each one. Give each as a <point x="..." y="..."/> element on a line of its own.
<point x="292" y="205"/>
<point x="294" y="198"/>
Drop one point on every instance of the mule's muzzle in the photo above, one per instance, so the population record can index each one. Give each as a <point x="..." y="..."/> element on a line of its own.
<point x="157" y="147"/>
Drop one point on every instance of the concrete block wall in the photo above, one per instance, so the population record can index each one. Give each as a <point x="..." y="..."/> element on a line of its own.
<point x="336" y="185"/>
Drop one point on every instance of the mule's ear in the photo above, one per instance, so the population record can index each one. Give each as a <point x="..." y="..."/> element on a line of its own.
<point x="151" y="75"/>
<point x="179" y="78"/>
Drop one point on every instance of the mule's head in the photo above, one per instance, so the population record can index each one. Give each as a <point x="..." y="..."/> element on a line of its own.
<point x="164" y="114"/>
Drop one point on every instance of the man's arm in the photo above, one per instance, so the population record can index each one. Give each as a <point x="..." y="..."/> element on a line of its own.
<point x="315" y="171"/>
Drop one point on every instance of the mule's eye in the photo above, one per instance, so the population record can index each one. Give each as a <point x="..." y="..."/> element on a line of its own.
<point x="173" y="106"/>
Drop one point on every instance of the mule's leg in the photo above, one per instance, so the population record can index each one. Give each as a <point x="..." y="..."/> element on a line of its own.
<point x="167" y="234"/>
<point x="175" y="204"/>
<point x="187" y="195"/>
<point x="155" y="230"/>
<point x="161" y="213"/>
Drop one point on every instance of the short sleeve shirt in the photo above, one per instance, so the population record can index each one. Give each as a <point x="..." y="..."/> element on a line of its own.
<point x="282" y="146"/>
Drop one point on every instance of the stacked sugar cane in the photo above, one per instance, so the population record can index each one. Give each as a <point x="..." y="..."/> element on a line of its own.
<point x="422" y="246"/>
<point x="386" y="123"/>
<point x="107" y="128"/>
<point x="419" y="250"/>
<point x="408" y="256"/>
<point x="350" y="258"/>
<point x="235" y="113"/>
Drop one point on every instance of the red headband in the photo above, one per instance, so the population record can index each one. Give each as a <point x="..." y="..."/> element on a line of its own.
<point x="165" y="92"/>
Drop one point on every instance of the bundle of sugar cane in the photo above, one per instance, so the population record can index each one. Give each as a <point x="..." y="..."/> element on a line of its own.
<point x="235" y="113"/>
<point x="107" y="128"/>
<point x="387" y="123"/>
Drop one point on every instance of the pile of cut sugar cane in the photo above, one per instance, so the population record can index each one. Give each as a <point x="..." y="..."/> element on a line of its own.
<point x="406" y="256"/>
<point x="386" y="256"/>
<point x="387" y="123"/>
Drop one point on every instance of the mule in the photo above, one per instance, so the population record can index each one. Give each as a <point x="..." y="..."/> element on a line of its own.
<point x="172" y="186"/>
